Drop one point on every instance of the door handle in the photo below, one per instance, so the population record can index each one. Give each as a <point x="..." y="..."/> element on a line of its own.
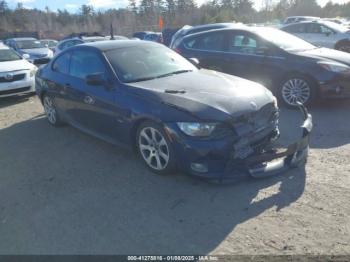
<point x="89" y="100"/>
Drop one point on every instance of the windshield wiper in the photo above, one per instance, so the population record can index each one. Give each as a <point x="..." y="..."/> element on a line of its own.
<point x="173" y="91"/>
<point x="160" y="76"/>
<point x="141" y="79"/>
<point x="174" y="73"/>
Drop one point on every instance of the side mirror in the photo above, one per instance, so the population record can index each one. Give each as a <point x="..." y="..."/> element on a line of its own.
<point x="194" y="61"/>
<point x="95" y="79"/>
<point x="26" y="56"/>
<point x="262" y="50"/>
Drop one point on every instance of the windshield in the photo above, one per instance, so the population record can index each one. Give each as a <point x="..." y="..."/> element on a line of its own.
<point x="336" y="27"/>
<point x="8" y="55"/>
<point x="283" y="40"/>
<point x="140" y="63"/>
<point x="29" y="44"/>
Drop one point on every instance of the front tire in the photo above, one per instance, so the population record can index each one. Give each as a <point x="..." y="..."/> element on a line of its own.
<point x="343" y="46"/>
<point x="51" y="111"/>
<point x="155" y="148"/>
<point x="296" y="89"/>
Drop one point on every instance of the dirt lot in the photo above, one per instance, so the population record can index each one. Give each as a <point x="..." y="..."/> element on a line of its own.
<point x="63" y="192"/>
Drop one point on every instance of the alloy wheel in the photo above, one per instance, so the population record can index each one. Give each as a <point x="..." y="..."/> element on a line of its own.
<point x="296" y="90"/>
<point x="154" y="148"/>
<point x="50" y="110"/>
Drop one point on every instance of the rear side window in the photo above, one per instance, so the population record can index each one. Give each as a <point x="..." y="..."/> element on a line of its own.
<point x="208" y="42"/>
<point x="84" y="63"/>
<point x="298" y="28"/>
<point x="61" y="64"/>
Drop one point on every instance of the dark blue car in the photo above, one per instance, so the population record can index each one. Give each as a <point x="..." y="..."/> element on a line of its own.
<point x="149" y="98"/>
<point x="295" y="70"/>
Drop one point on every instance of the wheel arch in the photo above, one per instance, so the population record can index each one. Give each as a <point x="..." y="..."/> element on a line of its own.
<point x="299" y="74"/>
<point x="312" y="81"/>
<point x="135" y="126"/>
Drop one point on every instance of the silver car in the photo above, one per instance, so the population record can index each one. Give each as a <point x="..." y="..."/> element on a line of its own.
<point x="322" y="33"/>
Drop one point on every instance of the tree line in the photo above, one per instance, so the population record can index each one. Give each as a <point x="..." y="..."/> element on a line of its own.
<point x="146" y="15"/>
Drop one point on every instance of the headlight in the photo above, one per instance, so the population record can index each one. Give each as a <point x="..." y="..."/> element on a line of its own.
<point x="33" y="71"/>
<point x="50" y="54"/>
<point x="197" y="129"/>
<point x="334" y="67"/>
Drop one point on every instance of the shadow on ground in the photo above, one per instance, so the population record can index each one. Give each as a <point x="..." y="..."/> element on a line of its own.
<point x="63" y="192"/>
<point x="11" y="100"/>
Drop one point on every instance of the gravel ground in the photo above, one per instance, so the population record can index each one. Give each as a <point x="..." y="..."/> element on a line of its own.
<point x="64" y="192"/>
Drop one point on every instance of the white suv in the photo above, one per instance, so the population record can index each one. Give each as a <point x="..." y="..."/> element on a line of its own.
<point x="322" y="33"/>
<point x="17" y="75"/>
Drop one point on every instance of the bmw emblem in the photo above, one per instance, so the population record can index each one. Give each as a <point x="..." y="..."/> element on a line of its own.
<point x="254" y="106"/>
<point x="9" y="76"/>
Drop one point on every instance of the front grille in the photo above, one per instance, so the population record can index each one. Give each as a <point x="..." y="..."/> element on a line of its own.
<point x="254" y="121"/>
<point x="221" y="131"/>
<point x="15" y="91"/>
<point x="41" y="61"/>
<point x="14" y="78"/>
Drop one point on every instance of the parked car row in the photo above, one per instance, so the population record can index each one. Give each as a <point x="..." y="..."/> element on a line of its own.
<point x="193" y="109"/>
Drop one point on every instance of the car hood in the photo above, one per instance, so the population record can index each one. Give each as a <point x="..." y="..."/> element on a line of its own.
<point x="206" y="94"/>
<point x="36" y="51"/>
<point x="15" y="65"/>
<point x="329" y="54"/>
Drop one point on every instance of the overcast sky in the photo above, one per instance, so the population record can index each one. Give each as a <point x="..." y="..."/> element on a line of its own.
<point x="73" y="5"/>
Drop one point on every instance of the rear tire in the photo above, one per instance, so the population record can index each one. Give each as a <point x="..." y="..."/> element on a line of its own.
<point x="296" y="88"/>
<point x="154" y="148"/>
<point x="51" y="111"/>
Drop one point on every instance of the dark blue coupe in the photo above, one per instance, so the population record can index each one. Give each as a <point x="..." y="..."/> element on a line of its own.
<point x="176" y="116"/>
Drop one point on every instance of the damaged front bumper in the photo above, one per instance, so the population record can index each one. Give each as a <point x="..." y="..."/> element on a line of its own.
<point x="296" y="154"/>
<point x="258" y="165"/>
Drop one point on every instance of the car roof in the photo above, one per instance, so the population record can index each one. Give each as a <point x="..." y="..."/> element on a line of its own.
<point x="233" y="27"/>
<point x="23" y="38"/>
<point x="302" y="16"/>
<point x="2" y="46"/>
<point x="110" y="45"/>
<point x="190" y="28"/>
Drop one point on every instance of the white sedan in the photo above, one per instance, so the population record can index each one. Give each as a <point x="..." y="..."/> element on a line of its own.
<point x="322" y="33"/>
<point x="17" y="75"/>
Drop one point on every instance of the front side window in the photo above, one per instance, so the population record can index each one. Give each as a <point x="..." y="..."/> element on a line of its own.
<point x="243" y="43"/>
<point x="313" y="28"/>
<point x="84" y="63"/>
<point x="8" y="55"/>
<point x="61" y="64"/>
